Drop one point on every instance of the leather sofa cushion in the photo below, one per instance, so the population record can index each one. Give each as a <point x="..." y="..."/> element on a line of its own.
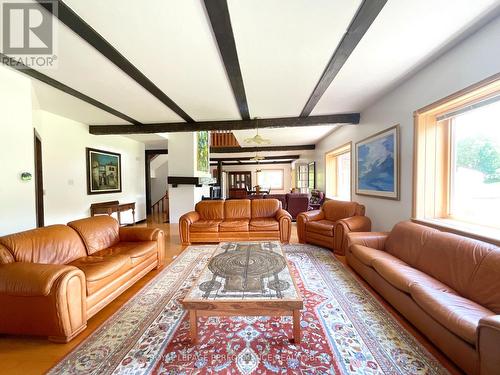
<point x="323" y="227"/>
<point x="265" y="208"/>
<point x="5" y="255"/>
<point x="237" y="209"/>
<point x="453" y="260"/>
<point x="100" y="270"/>
<point x="264" y="224"/>
<point x="402" y="276"/>
<point x="234" y="226"/>
<point x="336" y="210"/>
<point x="406" y="240"/>
<point x="367" y="255"/>
<point x="55" y="244"/>
<point x="136" y="251"/>
<point x="460" y="315"/>
<point x="210" y="210"/>
<point x="205" y="226"/>
<point x="484" y="286"/>
<point x="97" y="232"/>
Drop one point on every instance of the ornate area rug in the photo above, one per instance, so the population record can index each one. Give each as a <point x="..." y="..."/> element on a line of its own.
<point x="344" y="330"/>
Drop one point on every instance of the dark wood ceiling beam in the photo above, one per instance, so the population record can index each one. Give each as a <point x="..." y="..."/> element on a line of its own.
<point x="241" y="164"/>
<point x="233" y="150"/>
<point x="67" y="16"/>
<point x="361" y="22"/>
<point x="170" y="127"/>
<point x="218" y="13"/>
<point x="241" y="158"/>
<point x="20" y="67"/>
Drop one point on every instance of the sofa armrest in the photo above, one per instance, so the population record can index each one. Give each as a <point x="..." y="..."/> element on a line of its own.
<point x="375" y="240"/>
<point x="55" y="293"/>
<point x="488" y="344"/>
<point x="185" y="222"/>
<point x="348" y="225"/>
<point x="138" y="234"/>
<point x="303" y="218"/>
<point x="285" y="220"/>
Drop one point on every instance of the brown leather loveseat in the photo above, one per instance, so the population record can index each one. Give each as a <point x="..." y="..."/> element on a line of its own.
<point x="329" y="225"/>
<point x="447" y="285"/>
<point x="53" y="279"/>
<point x="236" y="220"/>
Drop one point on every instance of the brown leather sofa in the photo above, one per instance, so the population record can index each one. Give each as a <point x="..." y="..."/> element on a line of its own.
<point x="235" y="220"/>
<point x="329" y="225"/>
<point x="447" y="285"/>
<point x="53" y="279"/>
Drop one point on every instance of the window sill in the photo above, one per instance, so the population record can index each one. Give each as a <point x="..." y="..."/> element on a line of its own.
<point x="478" y="232"/>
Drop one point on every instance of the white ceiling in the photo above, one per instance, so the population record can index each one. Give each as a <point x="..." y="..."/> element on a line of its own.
<point x="282" y="49"/>
<point x="405" y="34"/>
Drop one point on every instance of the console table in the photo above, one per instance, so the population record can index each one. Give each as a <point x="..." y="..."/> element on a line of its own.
<point x="107" y="208"/>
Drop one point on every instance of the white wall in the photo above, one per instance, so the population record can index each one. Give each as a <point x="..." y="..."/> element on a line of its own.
<point x="17" y="198"/>
<point x="159" y="175"/>
<point x="182" y="149"/>
<point x="64" y="169"/>
<point x="473" y="60"/>
<point x="286" y="167"/>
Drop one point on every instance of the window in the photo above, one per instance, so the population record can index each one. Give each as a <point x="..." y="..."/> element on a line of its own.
<point x="457" y="161"/>
<point x="302" y="178"/>
<point x="270" y="178"/>
<point x="475" y="160"/>
<point x="338" y="173"/>
<point x="312" y="175"/>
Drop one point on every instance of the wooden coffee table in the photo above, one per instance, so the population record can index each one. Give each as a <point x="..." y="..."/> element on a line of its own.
<point x="245" y="279"/>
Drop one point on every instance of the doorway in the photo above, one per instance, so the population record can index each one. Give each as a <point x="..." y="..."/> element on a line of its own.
<point x="38" y="182"/>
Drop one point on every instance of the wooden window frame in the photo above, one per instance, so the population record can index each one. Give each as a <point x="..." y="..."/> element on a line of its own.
<point x="432" y="156"/>
<point x="332" y="177"/>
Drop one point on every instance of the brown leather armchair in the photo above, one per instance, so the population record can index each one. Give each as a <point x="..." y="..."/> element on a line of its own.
<point x="53" y="279"/>
<point x="329" y="225"/>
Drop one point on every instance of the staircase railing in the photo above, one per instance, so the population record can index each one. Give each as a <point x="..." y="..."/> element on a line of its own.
<point x="159" y="210"/>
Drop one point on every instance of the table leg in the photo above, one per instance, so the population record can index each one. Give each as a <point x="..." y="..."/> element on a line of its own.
<point x="296" y="326"/>
<point x="193" y="326"/>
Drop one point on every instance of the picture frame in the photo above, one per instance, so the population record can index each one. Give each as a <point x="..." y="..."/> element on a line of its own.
<point x="104" y="174"/>
<point x="378" y="164"/>
<point x="202" y="152"/>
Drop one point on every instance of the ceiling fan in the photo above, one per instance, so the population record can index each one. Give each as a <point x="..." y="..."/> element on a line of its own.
<point x="257" y="139"/>
<point x="257" y="158"/>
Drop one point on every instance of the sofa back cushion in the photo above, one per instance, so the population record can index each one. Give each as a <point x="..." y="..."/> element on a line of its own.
<point x="55" y="244"/>
<point x="97" y="232"/>
<point x="336" y="210"/>
<point x="455" y="260"/>
<point x="210" y="210"/>
<point x="265" y="208"/>
<point x="406" y="241"/>
<point x="237" y="209"/>
<point x="484" y="286"/>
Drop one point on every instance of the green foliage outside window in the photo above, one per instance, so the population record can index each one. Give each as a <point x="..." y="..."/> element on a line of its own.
<point x="481" y="154"/>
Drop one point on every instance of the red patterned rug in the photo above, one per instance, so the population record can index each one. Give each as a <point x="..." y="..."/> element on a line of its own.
<point x="344" y="330"/>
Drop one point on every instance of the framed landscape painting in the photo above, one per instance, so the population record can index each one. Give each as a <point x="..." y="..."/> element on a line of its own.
<point x="378" y="165"/>
<point x="202" y="154"/>
<point x="104" y="174"/>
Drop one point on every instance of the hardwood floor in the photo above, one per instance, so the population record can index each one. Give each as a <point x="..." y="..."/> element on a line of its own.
<point x="35" y="355"/>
